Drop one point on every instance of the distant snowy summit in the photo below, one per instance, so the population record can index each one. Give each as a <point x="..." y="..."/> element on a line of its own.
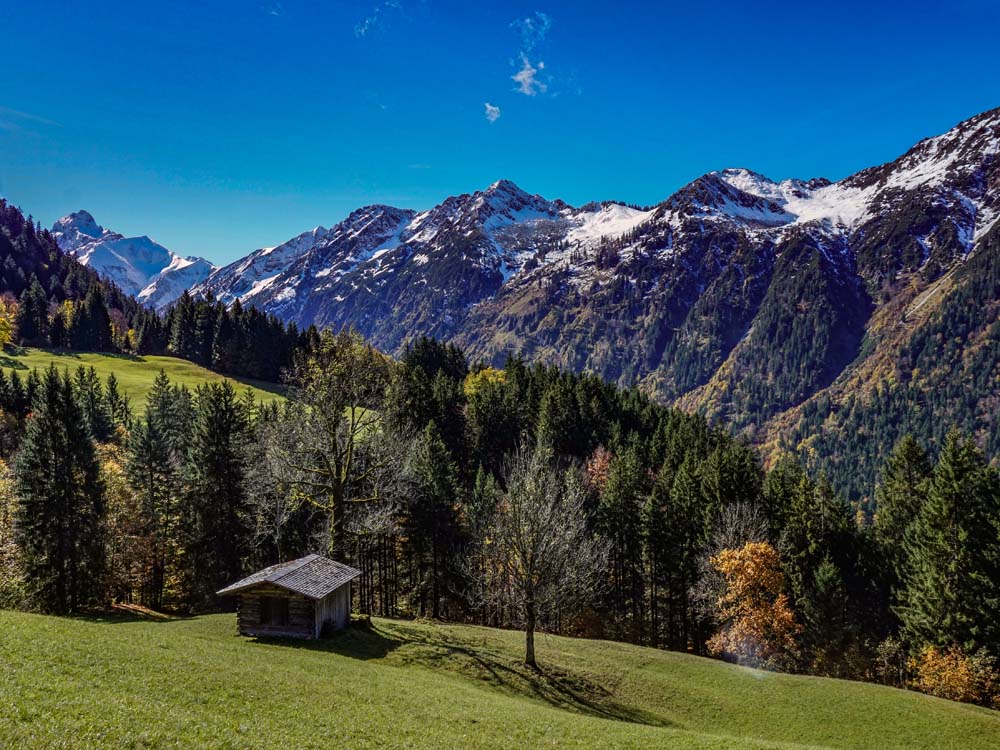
<point x="503" y="271"/>
<point x="137" y="265"/>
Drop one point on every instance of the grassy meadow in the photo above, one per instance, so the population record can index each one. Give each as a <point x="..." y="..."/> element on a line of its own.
<point x="135" y="373"/>
<point x="131" y="683"/>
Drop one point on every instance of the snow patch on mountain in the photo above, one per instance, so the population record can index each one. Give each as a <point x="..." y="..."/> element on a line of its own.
<point x="138" y="266"/>
<point x="612" y="221"/>
<point x="472" y="247"/>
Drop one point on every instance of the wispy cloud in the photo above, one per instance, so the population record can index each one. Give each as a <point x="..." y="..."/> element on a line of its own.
<point x="15" y="119"/>
<point x="273" y="8"/>
<point x="492" y="112"/>
<point x="527" y="79"/>
<point x="533" y="30"/>
<point x="19" y="115"/>
<point x="376" y="18"/>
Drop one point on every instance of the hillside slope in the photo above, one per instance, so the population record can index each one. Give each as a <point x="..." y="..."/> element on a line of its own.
<point x="194" y="683"/>
<point x="135" y="374"/>
<point x="740" y="296"/>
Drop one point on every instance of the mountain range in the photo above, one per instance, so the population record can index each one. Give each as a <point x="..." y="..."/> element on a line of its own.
<point x="786" y="309"/>
<point x="139" y="266"/>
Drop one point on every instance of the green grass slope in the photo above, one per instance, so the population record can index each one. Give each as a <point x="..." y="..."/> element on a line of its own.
<point x="194" y="683"/>
<point x="135" y="374"/>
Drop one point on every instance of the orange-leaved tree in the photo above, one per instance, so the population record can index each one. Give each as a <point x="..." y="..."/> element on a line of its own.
<point x="953" y="674"/>
<point x="757" y="625"/>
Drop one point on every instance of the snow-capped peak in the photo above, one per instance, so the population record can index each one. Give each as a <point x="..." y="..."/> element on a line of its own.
<point x="504" y="186"/>
<point x="81" y="221"/>
<point x="76" y="229"/>
<point x="139" y="266"/>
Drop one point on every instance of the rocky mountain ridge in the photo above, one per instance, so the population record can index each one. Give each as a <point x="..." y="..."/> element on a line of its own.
<point x="139" y="266"/>
<point x="769" y="305"/>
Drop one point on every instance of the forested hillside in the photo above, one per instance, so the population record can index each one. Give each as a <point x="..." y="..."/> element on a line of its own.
<point x="795" y="312"/>
<point x="48" y="299"/>
<point x="935" y="363"/>
<point x="413" y="471"/>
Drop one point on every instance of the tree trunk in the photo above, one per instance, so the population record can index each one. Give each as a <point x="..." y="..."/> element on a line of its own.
<point x="338" y="544"/>
<point x="529" y="634"/>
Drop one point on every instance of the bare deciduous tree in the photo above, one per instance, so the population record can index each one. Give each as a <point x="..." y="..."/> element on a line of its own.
<point x="534" y="557"/>
<point x="327" y="440"/>
<point x="271" y="491"/>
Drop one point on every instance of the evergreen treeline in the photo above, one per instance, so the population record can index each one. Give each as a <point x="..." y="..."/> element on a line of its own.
<point x="946" y="375"/>
<point x="53" y="301"/>
<point x="36" y="272"/>
<point x="393" y="467"/>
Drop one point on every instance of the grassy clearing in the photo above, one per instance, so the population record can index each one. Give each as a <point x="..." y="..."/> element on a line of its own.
<point x="127" y="682"/>
<point x="135" y="374"/>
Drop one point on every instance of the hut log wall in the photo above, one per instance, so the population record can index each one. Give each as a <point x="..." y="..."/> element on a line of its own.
<point x="301" y="613"/>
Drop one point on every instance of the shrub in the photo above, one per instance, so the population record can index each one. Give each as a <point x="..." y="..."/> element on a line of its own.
<point x="953" y="674"/>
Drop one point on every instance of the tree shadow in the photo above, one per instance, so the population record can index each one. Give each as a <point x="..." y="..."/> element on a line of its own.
<point x="120" y="614"/>
<point x="276" y="389"/>
<point x="10" y="363"/>
<point x="564" y="689"/>
<point x="124" y="355"/>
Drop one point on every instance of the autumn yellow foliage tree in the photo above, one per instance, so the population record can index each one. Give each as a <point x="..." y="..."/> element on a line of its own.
<point x="8" y="314"/>
<point x="757" y="625"/>
<point x="475" y="381"/>
<point x="951" y="673"/>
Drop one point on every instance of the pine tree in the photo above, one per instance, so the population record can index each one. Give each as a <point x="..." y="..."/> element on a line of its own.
<point x="778" y="494"/>
<point x="432" y="523"/>
<point x="172" y="409"/>
<point x="90" y="329"/>
<point x="952" y="594"/>
<point x="59" y="499"/>
<point x="152" y="476"/>
<point x="215" y="497"/>
<point x="818" y="523"/>
<point x="687" y="524"/>
<point x="657" y="541"/>
<point x="558" y="423"/>
<point x="119" y="407"/>
<point x="182" y="327"/>
<point x="32" y="315"/>
<point x="900" y="495"/>
<point x="731" y="474"/>
<point x="619" y="520"/>
<point x="827" y="620"/>
<point x="90" y="396"/>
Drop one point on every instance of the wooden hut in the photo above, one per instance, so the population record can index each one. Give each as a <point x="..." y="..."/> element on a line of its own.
<point x="301" y="599"/>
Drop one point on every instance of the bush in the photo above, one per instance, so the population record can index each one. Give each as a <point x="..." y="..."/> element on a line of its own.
<point x="953" y="674"/>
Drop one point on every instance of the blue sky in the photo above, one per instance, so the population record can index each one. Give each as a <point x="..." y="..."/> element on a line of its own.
<point x="219" y="127"/>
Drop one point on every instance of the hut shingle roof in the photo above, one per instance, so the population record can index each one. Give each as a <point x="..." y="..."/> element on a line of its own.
<point x="312" y="576"/>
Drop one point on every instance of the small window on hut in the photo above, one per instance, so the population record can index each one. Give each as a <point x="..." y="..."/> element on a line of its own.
<point x="273" y="610"/>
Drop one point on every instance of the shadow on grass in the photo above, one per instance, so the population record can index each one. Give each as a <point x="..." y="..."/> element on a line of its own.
<point x="275" y="389"/>
<point x="119" y="614"/>
<point x="124" y="355"/>
<point x="74" y="354"/>
<point x="11" y="363"/>
<point x="8" y="358"/>
<point x="572" y="691"/>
